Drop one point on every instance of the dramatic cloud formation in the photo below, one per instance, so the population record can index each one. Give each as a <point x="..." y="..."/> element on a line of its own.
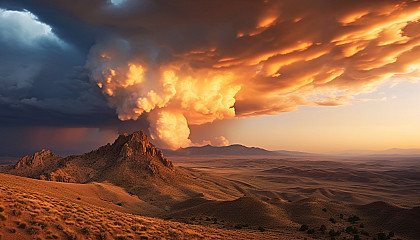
<point x="184" y="63"/>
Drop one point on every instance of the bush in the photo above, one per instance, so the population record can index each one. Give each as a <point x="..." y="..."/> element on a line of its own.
<point x="238" y="226"/>
<point x="33" y="230"/>
<point x="332" y="220"/>
<point x="351" y="229"/>
<point x="356" y="237"/>
<point x="22" y="225"/>
<point x="324" y="209"/>
<point x="391" y="234"/>
<point x="303" y="228"/>
<point x="261" y="229"/>
<point x="363" y="232"/>
<point x="361" y="225"/>
<point x="333" y="233"/>
<point x="323" y="228"/>
<point x="353" y="219"/>
<point x="341" y="216"/>
<point x="2" y="217"/>
<point x="311" y="231"/>
<point x="381" y="236"/>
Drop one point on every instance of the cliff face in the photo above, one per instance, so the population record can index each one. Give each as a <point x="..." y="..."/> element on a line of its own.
<point x="137" y="144"/>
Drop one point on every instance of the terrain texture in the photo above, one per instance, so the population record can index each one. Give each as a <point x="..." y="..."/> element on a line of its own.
<point x="244" y="193"/>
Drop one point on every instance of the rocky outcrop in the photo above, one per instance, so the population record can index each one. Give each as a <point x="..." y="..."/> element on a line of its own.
<point x="37" y="160"/>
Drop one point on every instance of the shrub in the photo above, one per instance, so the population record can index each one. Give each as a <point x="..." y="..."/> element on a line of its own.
<point x="381" y="236"/>
<point x="16" y="212"/>
<point x="22" y="225"/>
<point x="341" y="216"/>
<point x="353" y="219"/>
<point x="2" y="217"/>
<point x="361" y="225"/>
<point x="391" y="234"/>
<point x="238" y="226"/>
<point x="1" y="209"/>
<point x="323" y="228"/>
<point x="303" y="228"/>
<point x="311" y="231"/>
<point x="333" y="233"/>
<point x="332" y="220"/>
<point x="363" y="232"/>
<point x="32" y="230"/>
<point x="356" y="237"/>
<point x="261" y="229"/>
<point x="351" y="229"/>
<point x="85" y="231"/>
<point x="324" y="209"/>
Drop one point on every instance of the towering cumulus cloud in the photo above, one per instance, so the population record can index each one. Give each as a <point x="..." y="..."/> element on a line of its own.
<point x="171" y="92"/>
<point x="191" y="62"/>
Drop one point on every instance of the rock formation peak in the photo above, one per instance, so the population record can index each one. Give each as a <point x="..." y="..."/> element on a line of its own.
<point x="37" y="159"/>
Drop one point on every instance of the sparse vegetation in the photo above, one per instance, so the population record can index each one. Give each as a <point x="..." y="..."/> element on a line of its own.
<point x="323" y="228"/>
<point x="332" y="220"/>
<point x="311" y="231"/>
<point x="324" y="209"/>
<point x="261" y="229"/>
<point x="341" y="216"/>
<point x="2" y="217"/>
<point x="22" y="225"/>
<point x="333" y="233"/>
<point x="33" y="230"/>
<point x="353" y="219"/>
<point x="238" y="226"/>
<point x="381" y="236"/>
<point x="303" y="228"/>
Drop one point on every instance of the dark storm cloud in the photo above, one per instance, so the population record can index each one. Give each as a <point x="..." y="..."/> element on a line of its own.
<point x="43" y="81"/>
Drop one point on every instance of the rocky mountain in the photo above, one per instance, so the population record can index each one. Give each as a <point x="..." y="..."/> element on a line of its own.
<point x="133" y="163"/>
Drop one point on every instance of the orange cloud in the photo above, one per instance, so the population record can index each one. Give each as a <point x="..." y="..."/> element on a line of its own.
<point x="250" y="59"/>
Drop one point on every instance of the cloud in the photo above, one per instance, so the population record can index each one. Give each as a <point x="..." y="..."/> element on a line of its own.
<point x="196" y="62"/>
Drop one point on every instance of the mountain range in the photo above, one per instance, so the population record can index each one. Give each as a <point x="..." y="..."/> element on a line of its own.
<point x="231" y="150"/>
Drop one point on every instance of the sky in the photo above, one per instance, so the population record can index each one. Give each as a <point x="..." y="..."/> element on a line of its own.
<point x="316" y="76"/>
